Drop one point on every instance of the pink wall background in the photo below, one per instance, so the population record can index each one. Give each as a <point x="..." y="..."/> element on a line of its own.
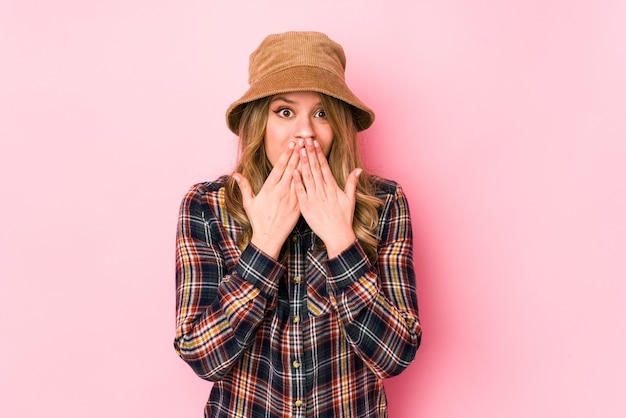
<point x="504" y="121"/>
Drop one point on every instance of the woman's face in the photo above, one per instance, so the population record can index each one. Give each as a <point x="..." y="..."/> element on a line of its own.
<point x="295" y="116"/>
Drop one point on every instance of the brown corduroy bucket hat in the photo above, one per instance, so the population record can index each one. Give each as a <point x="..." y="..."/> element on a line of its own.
<point x="298" y="61"/>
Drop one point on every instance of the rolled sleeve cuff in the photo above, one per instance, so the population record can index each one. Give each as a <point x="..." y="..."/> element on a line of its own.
<point x="348" y="267"/>
<point x="260" y="270"/>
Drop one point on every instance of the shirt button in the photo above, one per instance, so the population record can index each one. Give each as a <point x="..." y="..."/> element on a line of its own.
<point x="299" y="403"/>
<point x="294" y="238"/>
<point x="297" y="279"/>
<point x="296" y="319"/>
<point x="296" y="364"/>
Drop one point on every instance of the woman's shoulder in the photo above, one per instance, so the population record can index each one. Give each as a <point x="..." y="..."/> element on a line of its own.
<point x="210" y="186"/>
<point x="207" y="191"/>
<point x="384" y="187"/>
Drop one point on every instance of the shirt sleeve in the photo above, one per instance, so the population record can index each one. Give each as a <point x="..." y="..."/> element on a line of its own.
<point x="218" y="308"/>
<point x="377" y="304"/>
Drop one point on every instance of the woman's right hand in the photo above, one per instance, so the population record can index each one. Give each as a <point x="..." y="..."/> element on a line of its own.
<point x="274" y="211"/>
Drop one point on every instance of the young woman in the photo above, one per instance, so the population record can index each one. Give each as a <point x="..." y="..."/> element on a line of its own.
<point x="294" y="275"/>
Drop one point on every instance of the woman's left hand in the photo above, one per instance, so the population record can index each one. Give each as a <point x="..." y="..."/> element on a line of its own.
<point x="327" y="209"/>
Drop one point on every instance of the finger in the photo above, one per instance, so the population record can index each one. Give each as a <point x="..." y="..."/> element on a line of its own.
<point x="299" y="187"/>
<point x="292" y="164"/>
<point x="305" y="173"/>
<point x="281" y="165"/>
<point x="351" y="183"/>
<point x="316" y="164"/>
<point x="246" y="190"/>
<point x="324" y="168"/>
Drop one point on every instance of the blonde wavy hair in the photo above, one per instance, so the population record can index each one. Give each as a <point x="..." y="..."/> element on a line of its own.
<point x="343" y="158"/>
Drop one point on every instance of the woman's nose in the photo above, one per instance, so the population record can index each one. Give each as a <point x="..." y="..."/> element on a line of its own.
<point x="304" y="128"/>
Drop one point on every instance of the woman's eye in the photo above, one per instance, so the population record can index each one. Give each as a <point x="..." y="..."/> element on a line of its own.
<point x="320" y="114"/>
<point x="284" y="113"/>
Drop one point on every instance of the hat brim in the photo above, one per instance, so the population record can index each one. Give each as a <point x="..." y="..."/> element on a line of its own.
<point x="301" y="78"/>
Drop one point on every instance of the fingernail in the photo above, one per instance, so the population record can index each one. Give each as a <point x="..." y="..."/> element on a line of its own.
<point x="292" y="145"/>
<point x="303" y="152"/>
<point x="309" y="142"/>
<point x="317" y="144"/>
<point x="358" y="172"/>
<point x="300" y="142"/>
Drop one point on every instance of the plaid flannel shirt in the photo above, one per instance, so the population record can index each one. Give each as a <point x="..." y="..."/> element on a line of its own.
<point x="305" y="337"/>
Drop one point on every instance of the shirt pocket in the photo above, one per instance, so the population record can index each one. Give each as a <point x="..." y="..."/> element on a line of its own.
<point x="317" y="301"/>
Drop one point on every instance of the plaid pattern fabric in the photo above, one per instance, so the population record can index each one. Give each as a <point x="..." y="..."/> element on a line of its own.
<point x="304" y="337"/>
